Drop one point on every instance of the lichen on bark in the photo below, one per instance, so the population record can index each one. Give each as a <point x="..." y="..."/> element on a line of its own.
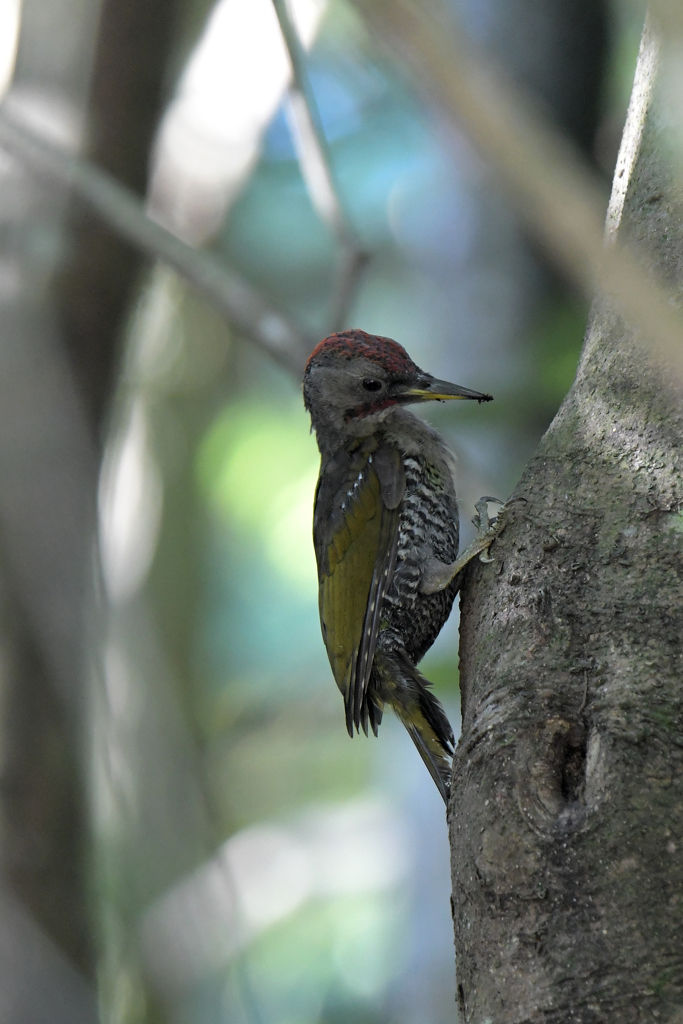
<point x="566" y="815"/>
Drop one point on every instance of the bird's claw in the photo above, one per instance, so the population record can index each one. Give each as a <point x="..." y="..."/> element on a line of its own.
<point x="489" y="529"/>
<point x="481" y="519"/>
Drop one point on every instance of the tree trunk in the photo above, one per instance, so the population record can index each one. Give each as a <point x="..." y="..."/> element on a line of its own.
<point x="566" y="817"/>
<point x="126" y="100"/>
<point x="57" y="374"/>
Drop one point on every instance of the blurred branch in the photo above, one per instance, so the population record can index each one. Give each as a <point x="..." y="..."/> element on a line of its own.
<point x="316" y="167"/>
<point x="557" y="195"/>
<point x="125" y="214"/>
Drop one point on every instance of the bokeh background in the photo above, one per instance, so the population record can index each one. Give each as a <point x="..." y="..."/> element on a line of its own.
<point x="185" y="822"/>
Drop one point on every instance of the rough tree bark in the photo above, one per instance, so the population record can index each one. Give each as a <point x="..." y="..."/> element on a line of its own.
<point x="566" y="817"/>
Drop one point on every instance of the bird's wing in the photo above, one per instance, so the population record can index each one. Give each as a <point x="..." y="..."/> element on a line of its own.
<point x="356" y="537"/>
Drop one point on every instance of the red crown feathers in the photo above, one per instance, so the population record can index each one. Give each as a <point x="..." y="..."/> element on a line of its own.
<point x="350" y="344"/>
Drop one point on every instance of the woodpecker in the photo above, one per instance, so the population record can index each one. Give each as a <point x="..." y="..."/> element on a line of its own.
<point x="385" y="531"/>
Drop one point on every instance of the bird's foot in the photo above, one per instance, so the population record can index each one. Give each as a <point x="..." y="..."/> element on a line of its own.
<point x="487" y="529"/>
<point x="436" y="575"/>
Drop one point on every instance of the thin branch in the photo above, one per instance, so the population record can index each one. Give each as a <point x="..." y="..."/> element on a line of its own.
<point x="557" y="195"/>
<point x="316" y="167"/>
<point x="125" y="214"/>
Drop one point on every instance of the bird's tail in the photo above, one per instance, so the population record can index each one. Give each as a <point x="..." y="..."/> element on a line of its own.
<point x="400" y="685"/>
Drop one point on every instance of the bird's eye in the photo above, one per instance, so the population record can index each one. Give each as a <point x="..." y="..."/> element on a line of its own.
<point x="370" y="384"/>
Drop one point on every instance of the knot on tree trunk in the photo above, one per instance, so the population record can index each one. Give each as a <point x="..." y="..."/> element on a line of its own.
<point x="551" y="776"/>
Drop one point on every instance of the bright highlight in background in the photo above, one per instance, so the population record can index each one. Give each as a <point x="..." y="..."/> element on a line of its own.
<point x="130" y="500"/>
<point x="258" y="468"/>
<point x="265" y="874"/>
<point x="10" y="19"/>
<point x="210" y="137"/>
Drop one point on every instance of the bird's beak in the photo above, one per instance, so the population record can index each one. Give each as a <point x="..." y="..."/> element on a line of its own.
<point x="431" y="389"/>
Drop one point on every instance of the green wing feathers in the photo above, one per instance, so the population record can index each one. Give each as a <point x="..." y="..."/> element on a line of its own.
<point x="357" y="562"/>
<point x="356" y="537"/>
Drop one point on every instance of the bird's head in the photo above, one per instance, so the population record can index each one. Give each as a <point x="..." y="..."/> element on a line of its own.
<point x="353" y="378"/>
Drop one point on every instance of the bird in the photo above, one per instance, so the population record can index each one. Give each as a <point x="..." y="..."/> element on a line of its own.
<point x="385" y="532"/>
